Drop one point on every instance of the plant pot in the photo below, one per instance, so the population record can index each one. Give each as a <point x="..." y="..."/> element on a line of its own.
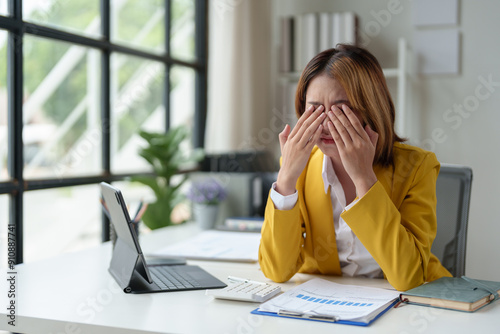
<point x="158" y="214"/>
<point x="205" y="215"/>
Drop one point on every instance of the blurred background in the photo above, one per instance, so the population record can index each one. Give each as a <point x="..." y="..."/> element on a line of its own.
<point x="216" y="66"/>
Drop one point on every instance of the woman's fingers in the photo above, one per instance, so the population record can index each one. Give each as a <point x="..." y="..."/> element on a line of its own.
<point x="334" y="133"/>
<point x="305" y="116"/>
<point x="311" y="132"/>
<point x="338" y="130"/>
<point x="283" y="136"/>
<point x="296" y="146"/>
<point x="372" y="135"/>
<point x="347" y="125"/>
<point x="307" y="125"/>
<point x="353" y="120"/>
<point x="298" y="143"/>
<point x="315" y="136"/>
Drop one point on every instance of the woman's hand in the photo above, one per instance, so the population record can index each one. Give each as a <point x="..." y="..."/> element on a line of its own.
<point x="356" y="146"/>
<point x="296" y="146"/>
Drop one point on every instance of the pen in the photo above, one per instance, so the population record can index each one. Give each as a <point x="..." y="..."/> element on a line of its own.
<point x="308" y="315"/>
<point x="139" y="214"/>
<point x="244" y="280"/>
<point x="138" y="210"/>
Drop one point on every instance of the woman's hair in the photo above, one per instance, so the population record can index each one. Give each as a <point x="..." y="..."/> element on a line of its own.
<point x="361" y="76"/>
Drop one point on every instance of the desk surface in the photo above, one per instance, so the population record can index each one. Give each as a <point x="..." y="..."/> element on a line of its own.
<point x="74" y="293"/>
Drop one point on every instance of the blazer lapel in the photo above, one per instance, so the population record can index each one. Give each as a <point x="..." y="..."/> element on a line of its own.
<point x="320" y="212"/>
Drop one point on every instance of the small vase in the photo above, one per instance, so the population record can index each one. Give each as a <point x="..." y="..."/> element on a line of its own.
<point x="205" y="215"/>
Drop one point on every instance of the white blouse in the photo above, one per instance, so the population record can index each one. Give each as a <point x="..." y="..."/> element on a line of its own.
<point x="355" y="260"/>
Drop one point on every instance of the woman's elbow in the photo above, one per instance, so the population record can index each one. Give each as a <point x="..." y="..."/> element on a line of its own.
<point x="276" y="271"/>
<point x="406" y="282"/>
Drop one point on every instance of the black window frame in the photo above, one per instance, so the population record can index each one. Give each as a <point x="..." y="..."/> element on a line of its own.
<point x="17" y="28"/>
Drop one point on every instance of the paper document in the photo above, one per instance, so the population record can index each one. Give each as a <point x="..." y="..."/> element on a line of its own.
<point x="216" y="245"/>
<point x="343" y="302"/>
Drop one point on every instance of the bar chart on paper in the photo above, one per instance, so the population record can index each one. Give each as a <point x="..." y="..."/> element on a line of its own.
<point x="332" y="301"/>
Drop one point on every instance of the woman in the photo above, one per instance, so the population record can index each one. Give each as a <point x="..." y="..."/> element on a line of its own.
<point x="350" y="198"/>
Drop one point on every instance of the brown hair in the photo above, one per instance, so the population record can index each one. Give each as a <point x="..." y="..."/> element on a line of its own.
<point x="360" y="74"/>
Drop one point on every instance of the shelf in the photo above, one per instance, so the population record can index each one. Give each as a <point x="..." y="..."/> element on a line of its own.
<point x="289" y="76"/>
<point x="391" y="72"/>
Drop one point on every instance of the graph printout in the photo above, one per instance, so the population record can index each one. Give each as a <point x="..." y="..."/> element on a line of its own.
<point x="318" y="296"/>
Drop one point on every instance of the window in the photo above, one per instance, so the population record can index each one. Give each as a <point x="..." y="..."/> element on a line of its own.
<point x="3" y="106"/>
<point x="80" y="17"/>
<point x="3" y="7"/>
<point x="139" y="24"/>
<point x="182" y="30"/>
<point x="79" y="80"/>
<point x="137" y="103"/>
<point x="182" y="91"/>
<point x="55" y="218"/>
<point x="61" y="109"/>
<point x="4" y="218"/>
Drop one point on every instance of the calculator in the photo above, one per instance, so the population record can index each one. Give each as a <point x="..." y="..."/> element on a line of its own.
<point x="246" y="291"/>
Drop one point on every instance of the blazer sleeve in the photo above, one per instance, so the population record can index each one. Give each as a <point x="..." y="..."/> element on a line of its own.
<point x="400" y="238"/>
<point x="280" y="255"/>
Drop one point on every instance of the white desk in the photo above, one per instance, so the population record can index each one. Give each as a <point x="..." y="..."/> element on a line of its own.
<point x="74" y="293"/>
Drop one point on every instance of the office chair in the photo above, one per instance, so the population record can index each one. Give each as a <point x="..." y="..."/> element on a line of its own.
<point x="453" y="190"/>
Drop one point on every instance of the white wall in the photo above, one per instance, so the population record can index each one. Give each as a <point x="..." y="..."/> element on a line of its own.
<point x="470" y="139"/>
<point x="238" y="75"/>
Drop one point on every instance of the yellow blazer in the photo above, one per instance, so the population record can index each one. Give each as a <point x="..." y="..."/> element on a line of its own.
<point x="395" y="220"/>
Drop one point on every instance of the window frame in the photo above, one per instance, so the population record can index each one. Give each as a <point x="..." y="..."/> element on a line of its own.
<point x="17" y="28"/>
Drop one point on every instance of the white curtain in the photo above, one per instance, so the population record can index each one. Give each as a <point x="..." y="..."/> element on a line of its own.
<point x="239" y="74"/>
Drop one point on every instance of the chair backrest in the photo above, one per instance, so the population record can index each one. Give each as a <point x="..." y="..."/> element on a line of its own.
<point x="453" y="191"/>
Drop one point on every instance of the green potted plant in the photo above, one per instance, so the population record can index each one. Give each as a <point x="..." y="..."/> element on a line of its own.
<point x="166" y="158"/>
